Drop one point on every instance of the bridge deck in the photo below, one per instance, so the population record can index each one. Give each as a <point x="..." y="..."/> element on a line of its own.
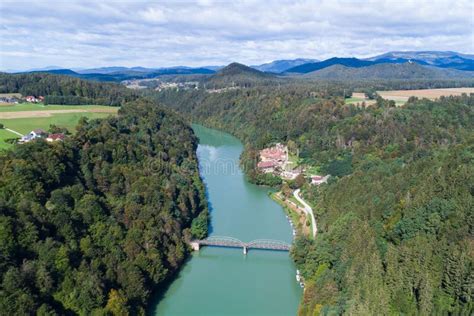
<point x="230" y="242"/>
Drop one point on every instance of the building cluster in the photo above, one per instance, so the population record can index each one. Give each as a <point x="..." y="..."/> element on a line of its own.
<point x="275" y="160"/>
<point x="33" y="99"/>
<point x="41" y="134"/>
<point x="178" y="85"/>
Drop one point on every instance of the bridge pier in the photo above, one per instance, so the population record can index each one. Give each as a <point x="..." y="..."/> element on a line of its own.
<point x="195" y="245"/>
<point x="245" y="250"/>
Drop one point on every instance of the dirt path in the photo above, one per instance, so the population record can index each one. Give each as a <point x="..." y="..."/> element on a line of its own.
<point x="14" y="132"/>
<point x="48" y="113"/>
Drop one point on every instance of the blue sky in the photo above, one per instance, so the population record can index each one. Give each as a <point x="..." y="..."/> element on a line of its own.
<point x="75" y="34"/>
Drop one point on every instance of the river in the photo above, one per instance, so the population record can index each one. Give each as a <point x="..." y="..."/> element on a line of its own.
<point x="221" y="281"/>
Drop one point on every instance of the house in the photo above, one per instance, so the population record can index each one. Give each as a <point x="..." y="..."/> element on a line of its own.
<point x="317" y="180"/>
<point x="267" y="166"/>
<point x="34" y="134"/>
<point x="41" y="98"/>
<point x="31" y="99"/>
<point x="55" y="137"/>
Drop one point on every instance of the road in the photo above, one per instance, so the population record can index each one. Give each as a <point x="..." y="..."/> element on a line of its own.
<point x="308" y="210"/>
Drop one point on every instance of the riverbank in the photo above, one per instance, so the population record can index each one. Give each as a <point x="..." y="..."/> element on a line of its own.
<point x="295" y="212"/>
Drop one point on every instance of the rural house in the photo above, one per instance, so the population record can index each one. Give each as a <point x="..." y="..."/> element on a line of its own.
<point x="34" y="134"/>
<point x="55" y="137"/>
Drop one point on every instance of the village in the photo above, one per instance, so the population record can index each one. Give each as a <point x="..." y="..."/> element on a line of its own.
<point x="16" y="99"/>
<point x="275" y="160"/>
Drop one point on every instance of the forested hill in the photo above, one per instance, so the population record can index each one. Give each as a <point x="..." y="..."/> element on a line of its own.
<point x="238" y="75"/>
<point x="395" y="223"/>
<point x="405" y="71"/>
<point x="59" y="89"/>
<point x="93" y="225"/>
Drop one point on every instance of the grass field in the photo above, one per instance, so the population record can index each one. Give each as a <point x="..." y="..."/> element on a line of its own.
<point x="4" y="134"/>
<point x="354" y="100"/>
<point x="23" y="118"/>
<point x="41" y="107"/>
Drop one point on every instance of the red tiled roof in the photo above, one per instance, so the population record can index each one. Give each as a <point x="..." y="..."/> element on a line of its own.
<point x="58" y="136"/>
<point x="266" y="164"/>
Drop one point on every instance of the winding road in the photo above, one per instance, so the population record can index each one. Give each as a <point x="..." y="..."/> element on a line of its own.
<point x="308" y="210"/>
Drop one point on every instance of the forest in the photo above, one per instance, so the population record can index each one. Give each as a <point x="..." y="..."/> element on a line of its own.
<point x="93" y="225"/>
<point x="66" y="90"/>
<point x="396" y="221"/>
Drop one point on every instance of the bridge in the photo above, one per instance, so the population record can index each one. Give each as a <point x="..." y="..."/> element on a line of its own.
<point x="231" y="242"/>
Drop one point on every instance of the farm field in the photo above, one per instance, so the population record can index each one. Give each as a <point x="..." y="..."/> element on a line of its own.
<point x="24" y="118"/>
<point x="403" y="95"/>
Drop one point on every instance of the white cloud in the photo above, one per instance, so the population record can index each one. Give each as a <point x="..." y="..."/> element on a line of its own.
<point x="88" y="34"/>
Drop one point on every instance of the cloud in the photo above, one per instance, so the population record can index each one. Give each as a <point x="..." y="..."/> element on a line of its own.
<point x="153" y="34"/>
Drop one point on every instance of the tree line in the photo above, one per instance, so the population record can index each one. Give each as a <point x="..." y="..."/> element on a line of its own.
<point x="58" y="89"/>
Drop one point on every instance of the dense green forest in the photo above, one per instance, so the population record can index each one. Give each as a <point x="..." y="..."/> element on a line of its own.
<point x="92" y="225"/>
<point x="65" y="90"/>
<point x="396" y="221"/>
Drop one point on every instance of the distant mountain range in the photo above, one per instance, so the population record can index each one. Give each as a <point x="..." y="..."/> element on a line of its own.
<point x="279" y="66"/>
<point x="124" y="73"/>
<point x="439" y="59"/>
<point x="431" y="63"/>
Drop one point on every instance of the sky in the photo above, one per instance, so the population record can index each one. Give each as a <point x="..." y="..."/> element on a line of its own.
<point x="86" y="34"/>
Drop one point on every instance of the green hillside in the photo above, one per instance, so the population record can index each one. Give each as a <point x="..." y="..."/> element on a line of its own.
<point x="406" y="71"/>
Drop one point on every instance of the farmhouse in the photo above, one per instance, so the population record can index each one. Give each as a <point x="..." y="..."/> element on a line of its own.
<point x="34" y="134"/>
<point x="31" y="99"/>
<point x="55" y="137"/>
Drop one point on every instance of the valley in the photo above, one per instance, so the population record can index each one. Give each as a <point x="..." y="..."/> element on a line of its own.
<point x="236" y="158"/>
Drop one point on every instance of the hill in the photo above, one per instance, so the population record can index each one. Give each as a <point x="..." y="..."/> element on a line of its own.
<point x="236" y="74"/>
<point x="66" y="72"/>
<point x="388" y="71"/>
<point x="349" y="62"/>
<point x="278" y="66"/>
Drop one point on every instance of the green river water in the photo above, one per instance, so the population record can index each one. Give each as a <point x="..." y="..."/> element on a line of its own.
<point x="222" y="281"/>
